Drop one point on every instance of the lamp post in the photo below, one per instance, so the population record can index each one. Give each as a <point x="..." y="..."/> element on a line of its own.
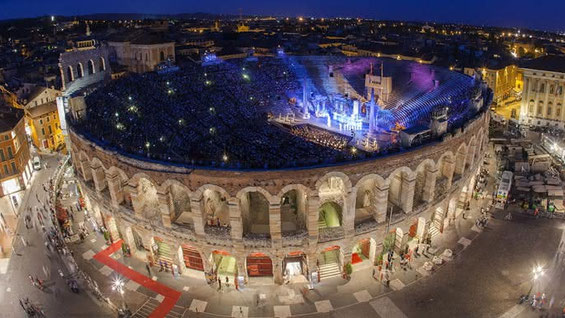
<point x="118" y="286"/>
<point x="537" y="273"/>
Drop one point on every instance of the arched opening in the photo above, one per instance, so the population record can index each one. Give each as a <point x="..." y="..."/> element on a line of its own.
<point x="332" y="187"/>
<point x="135" y="243"/>
<point x="179" y="206"/>
<point x="80" y="71"/>
<point x="330" y="215"/>
<point x="147" y="202"/>
<point x="164" y="253"/>
<point x="192" y="258"/>
<point x="255" y="214"/>
<point x="471" y="154"/>
<point x="422" y="175"/>
<point x="259" y="265"/>
<point x="111" y="227"/>
<point x="215" y="212"/>
<point x="365" y="202"/>
<point x="293" y="212"/>
<point x="445" y="172"/>
<point x="161" y="56"/>
<point x="460" y="162"/>
<point x="70" y="75"/>
<point x="400" y="197"/>
<point x="329" y="263"/>
<point x="225" y="267"/>
<point x="295" y="267"/>
<point x="90" y="69"/>
<point x="102" y="65"/>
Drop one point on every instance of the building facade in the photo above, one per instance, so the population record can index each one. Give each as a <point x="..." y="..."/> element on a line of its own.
<point x="306" y="223"/>
<point x="15" y="162"/>
<point x="543" y="96"/>
<point x="143" y="57"/>
<point x="45" y="126"/>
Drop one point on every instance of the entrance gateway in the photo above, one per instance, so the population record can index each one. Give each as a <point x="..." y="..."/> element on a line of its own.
<point x="192" y="258"/>
<point x="294" y="265"/>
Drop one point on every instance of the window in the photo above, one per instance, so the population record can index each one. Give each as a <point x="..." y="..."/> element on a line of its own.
<point x="48" y="119"/>
<point x="549" y="111"/>
<point x="6" y="170"/>
<point x="542" y="88"/>
<point x="50" y="130"/>
<point x="10" y="154"/>
<point x="41" y="121"/>
<point x="43" y="130"/>
<point x="539" y="112"/>
<point x="14" y="167"/>
<point x="2" y="155"/>
<point x="551" y="89"/>
<point x="558" y="112"/>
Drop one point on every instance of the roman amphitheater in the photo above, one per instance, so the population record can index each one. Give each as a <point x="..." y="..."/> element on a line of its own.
<point x="280" y="169"/>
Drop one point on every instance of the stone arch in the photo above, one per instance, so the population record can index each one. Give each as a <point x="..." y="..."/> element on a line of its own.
<point x="98" y="174"/>
<point x="80" y="70"/>
<point x="424" y="173"/>
<point x="294" y="208"/>
<point x="460" y="157"/>
<point x="145" y="200"/>
<point x="214" y="206"/>
<point x="178" y="199"/>
<point x="254" y="203"/>
<point x="368" y="203"/>
<point x="401" y="190"/>
<point x="445" y="167"/>
<point x="117" y="180"/>
<point x="161" y="56"/>
<point x="326" y="180"/>
<point x="90" y="67"/>
<point x="84" y="163"/>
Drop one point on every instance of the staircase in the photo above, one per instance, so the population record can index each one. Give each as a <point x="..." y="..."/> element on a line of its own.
<point x="329" y="265"/>
<point x="433" y="228"/>
<point x="151" y="304"/>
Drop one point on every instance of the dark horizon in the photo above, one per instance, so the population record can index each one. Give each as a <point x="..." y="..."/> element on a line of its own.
<point x="496" y="13"/>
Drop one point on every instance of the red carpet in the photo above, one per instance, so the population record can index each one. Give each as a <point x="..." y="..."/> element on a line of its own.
<point x="355" y="258"/>
<point x="171" y="295"/>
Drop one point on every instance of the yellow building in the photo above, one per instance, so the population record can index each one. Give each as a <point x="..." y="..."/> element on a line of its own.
<point x="15" y="163"/>
<point x="45" y="128"/>
<point x="502" y="81"/>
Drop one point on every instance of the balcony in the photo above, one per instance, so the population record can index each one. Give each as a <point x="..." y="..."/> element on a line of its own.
<point x="220" y="232"/>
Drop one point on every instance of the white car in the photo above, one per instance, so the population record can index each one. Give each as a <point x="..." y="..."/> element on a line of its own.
<point x="36" y="163"/>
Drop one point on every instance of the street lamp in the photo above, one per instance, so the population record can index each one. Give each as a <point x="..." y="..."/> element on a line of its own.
<point x="537" y="273"/>
<point x="118" y="286"/>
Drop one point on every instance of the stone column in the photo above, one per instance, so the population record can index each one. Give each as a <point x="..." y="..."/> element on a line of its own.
<point x="381" y="202"/>
<point x="312" y="260"/>
<point x="164" y="208"/>
<point x="460" y="164"/>
<point x="407" y="194"/>
<point x="278" y="270"/>
<point x="349" y="215"/>
<point x="346" y="254"/>
<point x="430" y="176"/>
<point x="197" y="217"/>
<point x="312" y="211"/>
<point x="235" y="219"/>
<point x="275" y="224"/>
<point x="114" y="184"/>
<point x="99" y="178"/>
<point x="86" y="171"/>
<point x="136" y="202"/>
<point x="449" y="170"/>
<point x="241" y="268"/>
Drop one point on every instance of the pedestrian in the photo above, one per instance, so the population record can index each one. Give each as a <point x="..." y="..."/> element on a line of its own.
<point x="24" y="242"/>
<point x="148" y="269"/>
<point x="227" y="281"/>
<point x="219" y="284"/>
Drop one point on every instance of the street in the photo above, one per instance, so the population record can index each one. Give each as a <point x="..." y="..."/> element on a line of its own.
<point x="56" y="300"/>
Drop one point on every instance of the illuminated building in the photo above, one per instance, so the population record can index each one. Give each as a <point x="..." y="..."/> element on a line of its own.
<point x="45" y="127"/>
<point x="543" y="97"/>
<point x="143" y="52"/>
<point x="15" y="163"/>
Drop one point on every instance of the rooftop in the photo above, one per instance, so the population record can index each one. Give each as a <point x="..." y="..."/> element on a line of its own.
<point x="552" y="63"/>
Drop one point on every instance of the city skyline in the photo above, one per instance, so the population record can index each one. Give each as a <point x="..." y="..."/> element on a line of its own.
<point x="522" y="14"/>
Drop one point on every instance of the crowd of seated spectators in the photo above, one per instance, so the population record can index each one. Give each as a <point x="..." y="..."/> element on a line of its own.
<point x="204" y="116"/>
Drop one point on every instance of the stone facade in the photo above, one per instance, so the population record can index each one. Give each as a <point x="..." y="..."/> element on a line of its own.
<point x="543" y="98"/>
<point x="277" y="212"/>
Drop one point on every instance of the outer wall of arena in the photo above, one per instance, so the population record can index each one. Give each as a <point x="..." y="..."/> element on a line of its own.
<point x="253" y="224"/>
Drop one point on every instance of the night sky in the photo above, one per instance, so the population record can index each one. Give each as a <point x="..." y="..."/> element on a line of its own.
<point x="537" y="14"/>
